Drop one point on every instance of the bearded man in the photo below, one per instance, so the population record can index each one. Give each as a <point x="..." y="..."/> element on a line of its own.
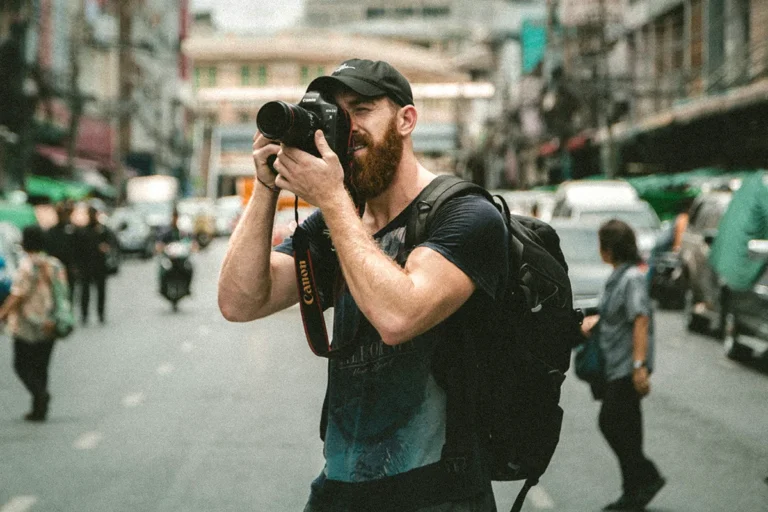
<point x="397" y="312"/>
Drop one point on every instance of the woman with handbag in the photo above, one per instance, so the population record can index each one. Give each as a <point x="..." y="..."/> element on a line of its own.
<point x="625" y="333"/>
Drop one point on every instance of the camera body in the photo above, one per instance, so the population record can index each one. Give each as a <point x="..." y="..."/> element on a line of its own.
<point x="295" y="125"/>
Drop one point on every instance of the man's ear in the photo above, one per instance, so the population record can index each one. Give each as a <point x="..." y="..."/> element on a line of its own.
<point x="406" y="120"/>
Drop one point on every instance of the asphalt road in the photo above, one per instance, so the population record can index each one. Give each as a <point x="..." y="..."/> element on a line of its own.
<point x="185" y="412"/>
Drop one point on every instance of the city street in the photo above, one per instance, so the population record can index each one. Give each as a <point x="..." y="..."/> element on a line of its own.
<point x="185" y="412"/>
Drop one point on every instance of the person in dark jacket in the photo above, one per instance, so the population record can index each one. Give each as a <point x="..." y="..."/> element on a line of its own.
<point x="94" y="243"/>
<point x="61" y="241"/>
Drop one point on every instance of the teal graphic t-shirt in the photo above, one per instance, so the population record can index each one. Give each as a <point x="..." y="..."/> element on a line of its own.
<point x="386" y="411"/>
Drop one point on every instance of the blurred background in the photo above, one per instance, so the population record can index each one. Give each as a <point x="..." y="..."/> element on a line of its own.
<point x="575" y="111"/>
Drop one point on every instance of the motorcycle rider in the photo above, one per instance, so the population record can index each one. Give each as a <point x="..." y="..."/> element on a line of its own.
<point x="171" y="234"/>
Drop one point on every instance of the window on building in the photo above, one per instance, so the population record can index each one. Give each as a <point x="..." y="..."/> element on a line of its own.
<point x="436" y="11"/>
<point x="205" y="76"/>
<point x="304" y="79"/>
<point x="262" y="75"/>
<point x="245" y="75"/>
<point x="697" y="37"/>
<point x="404" y="12"/>
<point x="658" y="35"/>
<point x="678" y="39"/>
<point x="244" y="116"/>
<point x="320" y="71"/>
<point x="375" y="12"/>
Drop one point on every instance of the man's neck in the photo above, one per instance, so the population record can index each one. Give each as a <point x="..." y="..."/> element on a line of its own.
<point x="410" y="179"/>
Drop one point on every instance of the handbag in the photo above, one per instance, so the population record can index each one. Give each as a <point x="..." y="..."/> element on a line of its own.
<point x="589" y="365"/>
<point x="589" y="362"/>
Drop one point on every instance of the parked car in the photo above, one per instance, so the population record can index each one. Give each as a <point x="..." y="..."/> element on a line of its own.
<point x="228" y="211"/>
<point x="638" y="214"/>
<point x="133" y="234"/>
<point x="586" y="269"/>
<point x="703" y="288"/>
<point x="591" y="194"/>
<point x="745" y="314"/>
<point x="534" y="203"/>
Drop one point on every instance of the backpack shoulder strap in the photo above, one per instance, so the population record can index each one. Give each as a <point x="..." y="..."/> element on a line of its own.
<point x="429" y="200"/>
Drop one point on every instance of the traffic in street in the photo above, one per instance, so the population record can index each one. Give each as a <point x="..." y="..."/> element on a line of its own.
<point x="163" y="411"/>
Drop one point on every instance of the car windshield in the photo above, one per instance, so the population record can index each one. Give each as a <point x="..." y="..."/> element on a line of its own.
<point x="155" y="208"/>
<point x="638" y="219"/>
<point x="194" y="207"/>
<point x="579" y="245"/>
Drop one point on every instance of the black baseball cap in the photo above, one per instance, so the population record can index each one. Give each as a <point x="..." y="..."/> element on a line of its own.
<point x="367" y="78"/>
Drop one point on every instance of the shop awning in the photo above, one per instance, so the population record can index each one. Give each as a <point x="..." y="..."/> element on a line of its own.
<point x="59" y="157"/>
<point x="55" y="190"/>
<point x="20" y="215"/>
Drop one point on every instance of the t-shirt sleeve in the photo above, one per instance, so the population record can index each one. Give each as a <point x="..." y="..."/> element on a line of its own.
<point x="324" y="262"/>
<point x="638" y="302"/>
<point x="470" y="233"/>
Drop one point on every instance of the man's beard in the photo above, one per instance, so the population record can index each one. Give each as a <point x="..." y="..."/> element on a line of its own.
<point x="374" y="172"/>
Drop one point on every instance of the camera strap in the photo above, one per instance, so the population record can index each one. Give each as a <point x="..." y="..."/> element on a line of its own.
<point x="309" y="297"/>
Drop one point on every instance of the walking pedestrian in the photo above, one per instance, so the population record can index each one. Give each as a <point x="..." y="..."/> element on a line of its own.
<point x="395" y="314"/>
<point x="28" y="312"/>
<point x="625" y="331"/>
<point x="61" y="242"/>
<point x="95" y="240"/>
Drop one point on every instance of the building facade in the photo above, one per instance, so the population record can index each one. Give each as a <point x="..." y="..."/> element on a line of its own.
<point x="111" y="73"/>
<point x="235" y="75"/>
<point x="686" y="85"/>
<point x="489" y="39"/>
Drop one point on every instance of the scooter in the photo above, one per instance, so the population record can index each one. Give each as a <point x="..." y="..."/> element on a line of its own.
<point x="175" y="272"/>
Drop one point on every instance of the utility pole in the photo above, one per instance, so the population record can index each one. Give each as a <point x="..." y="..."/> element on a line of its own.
<point x="125" y="92"/>
<point x="604" y="96"/>
<point x="76" y="98"/>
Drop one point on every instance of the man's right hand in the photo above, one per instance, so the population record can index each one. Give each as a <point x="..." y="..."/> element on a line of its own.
<point x="263" y="148"/>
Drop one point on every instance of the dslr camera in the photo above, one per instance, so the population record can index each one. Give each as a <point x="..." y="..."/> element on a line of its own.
<point x="295" y="125"/>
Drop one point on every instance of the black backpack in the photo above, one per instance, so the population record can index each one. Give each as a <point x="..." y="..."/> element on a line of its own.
<point x="523" y="359"/>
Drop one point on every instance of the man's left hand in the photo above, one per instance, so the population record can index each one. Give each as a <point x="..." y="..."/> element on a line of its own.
<point x="319" y="181"/>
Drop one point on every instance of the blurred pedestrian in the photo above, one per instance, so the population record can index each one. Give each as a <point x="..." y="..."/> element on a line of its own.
<point x="95" y="241"/>
<point x="626" y="337"/>
<point x="61" y="241"/>
<point x="28" y="312"/>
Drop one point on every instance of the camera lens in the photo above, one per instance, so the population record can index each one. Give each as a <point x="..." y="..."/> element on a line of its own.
<point x="285" y="122"/>
<point x="274" y="119"/>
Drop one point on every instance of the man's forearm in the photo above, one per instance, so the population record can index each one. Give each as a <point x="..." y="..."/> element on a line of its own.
<point x="244" y="281"/>
<point x="380" y="286"/>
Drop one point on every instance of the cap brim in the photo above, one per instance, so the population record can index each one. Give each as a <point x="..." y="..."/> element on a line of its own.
<point x="330" y="84"/>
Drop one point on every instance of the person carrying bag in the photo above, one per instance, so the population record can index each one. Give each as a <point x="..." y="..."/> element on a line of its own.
<point x="626" y="341"/>
<point x="33" y="318"/>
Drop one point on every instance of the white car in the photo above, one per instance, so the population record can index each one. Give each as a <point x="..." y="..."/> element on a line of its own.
<point x="591" y="194"/>
<point x="228" y="211"/>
